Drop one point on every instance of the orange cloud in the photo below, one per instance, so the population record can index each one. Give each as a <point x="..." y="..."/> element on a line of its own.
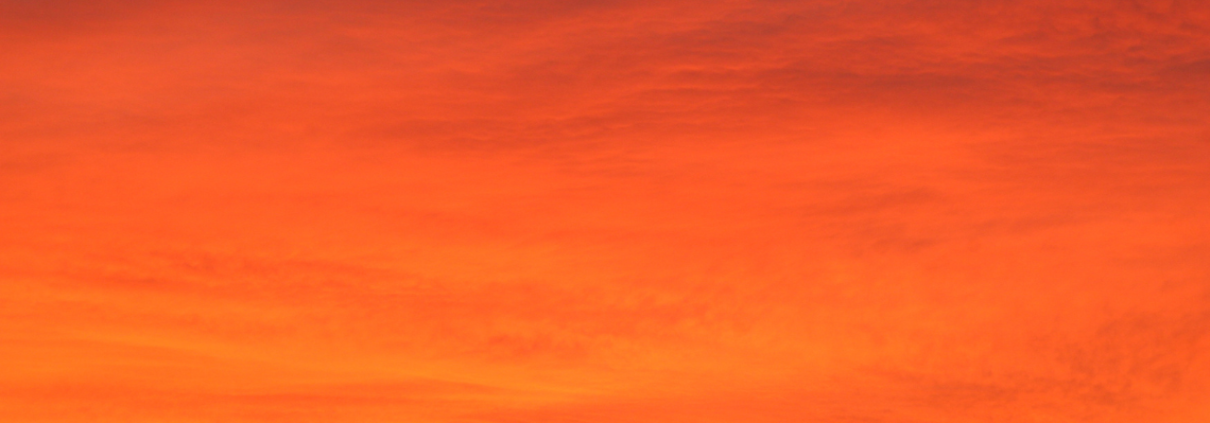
<point x="719" y="211"/>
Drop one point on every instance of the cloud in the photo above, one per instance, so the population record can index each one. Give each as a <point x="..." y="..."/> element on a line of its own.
<point x="603" y="211"/>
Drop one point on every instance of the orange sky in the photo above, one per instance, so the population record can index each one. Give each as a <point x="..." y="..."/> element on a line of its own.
<point x="609" y="211"/>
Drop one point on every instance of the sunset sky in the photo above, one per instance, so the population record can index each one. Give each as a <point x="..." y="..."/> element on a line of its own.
<point x="612" y="211"/>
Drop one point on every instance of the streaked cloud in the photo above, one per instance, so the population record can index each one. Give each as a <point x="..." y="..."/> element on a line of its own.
<point x="518" y="211"/>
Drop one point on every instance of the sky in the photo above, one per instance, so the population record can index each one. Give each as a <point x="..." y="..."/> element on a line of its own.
<point x="620" y="211"/>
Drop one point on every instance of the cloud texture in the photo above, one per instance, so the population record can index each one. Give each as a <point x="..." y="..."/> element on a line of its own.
<point x="606" y="211"/>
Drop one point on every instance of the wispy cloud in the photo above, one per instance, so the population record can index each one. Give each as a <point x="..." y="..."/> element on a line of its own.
<point x="604" y="211"/>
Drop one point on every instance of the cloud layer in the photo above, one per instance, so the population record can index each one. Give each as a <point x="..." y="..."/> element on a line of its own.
<point x="614" y="211"/>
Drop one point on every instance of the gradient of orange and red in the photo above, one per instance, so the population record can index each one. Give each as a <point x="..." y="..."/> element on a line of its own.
<point x="604" y="211"/>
